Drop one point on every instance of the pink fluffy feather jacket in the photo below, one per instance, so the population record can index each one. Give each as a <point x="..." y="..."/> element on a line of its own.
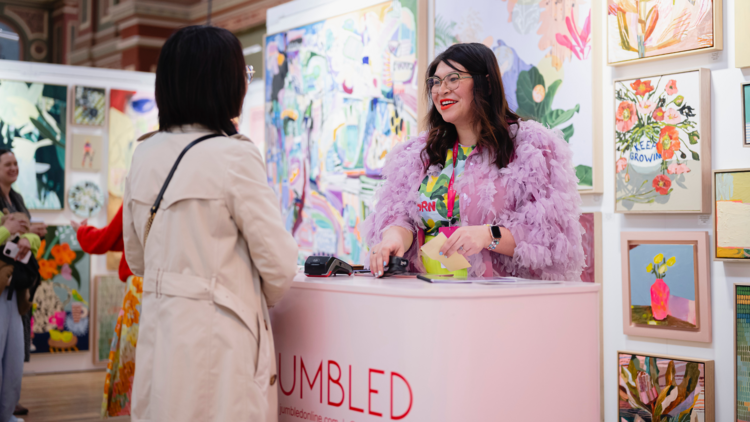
<point x="535" y="197"/>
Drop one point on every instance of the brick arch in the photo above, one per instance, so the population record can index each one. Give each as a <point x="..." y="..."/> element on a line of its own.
<point x="24" y="44"/>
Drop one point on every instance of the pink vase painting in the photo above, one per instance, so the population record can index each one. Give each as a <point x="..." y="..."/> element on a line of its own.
<point x="660" y="299"/>
<point x="663" y="294"/>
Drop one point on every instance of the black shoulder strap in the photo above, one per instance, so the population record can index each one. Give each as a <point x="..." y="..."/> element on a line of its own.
<point x="155" y="207"/>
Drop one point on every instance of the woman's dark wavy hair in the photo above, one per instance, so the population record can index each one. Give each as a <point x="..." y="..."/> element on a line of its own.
<point x="492" y="116"/>
<point x="201" y="78"/>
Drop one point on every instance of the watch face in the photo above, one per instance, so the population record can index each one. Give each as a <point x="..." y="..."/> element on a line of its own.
<point x="496" y="232"/>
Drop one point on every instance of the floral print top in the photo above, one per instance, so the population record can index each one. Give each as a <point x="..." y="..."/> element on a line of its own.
<point x="433" y="193"/>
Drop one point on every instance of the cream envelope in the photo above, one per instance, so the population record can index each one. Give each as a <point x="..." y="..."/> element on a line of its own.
<point x="432" y="250"/>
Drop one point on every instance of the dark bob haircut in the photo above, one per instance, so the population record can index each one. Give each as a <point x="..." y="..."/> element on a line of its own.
<point x="491" y="114"/>
<point x="201" y="78"/>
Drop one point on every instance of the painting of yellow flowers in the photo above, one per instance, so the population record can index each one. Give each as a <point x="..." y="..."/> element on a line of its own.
<point x="639" y="30"/>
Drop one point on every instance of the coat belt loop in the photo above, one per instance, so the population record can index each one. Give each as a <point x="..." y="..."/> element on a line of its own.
<point x="158" y="282"/>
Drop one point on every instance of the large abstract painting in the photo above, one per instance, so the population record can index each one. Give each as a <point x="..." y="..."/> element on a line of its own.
<point x="131" y="114"/>
<point x="544" y="49"/>
<point x="60" y="318"/>
<point x="663" y="143"/>
<point x="665" y="285"/>
<point x="732" y="214"/>
<point x="643" y="29"/>
<point x="32" y="124"/>
<point x="742" y="352"/>
<point x="340" y="94"/>
<point x="664" y="388"/>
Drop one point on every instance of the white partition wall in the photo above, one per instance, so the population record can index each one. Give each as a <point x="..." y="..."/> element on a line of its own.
<point x="727" y="153"/>
<point x="90" y="77"/>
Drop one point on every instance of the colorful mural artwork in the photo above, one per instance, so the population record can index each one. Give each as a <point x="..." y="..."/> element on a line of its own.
<point x="662" y="388"/>
<point x="131" y="114"/>
<point x="544" y="51"/>
<point x="340" y="94"/>
<point x="33" y="125"/>
<point x="60" y="312"/>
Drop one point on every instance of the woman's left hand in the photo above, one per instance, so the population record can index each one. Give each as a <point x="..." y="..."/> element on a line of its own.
<point x="467" y="240"/>
<point x="23" y="248"/>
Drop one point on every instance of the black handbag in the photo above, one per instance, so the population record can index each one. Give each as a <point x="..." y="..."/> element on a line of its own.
<point x="155" y="207"/>
<point x="25" y="276"/>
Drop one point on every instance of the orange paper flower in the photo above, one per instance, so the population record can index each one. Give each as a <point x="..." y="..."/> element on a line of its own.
<point x="47" y="269"/>
<point x="40" y="251"/>
<point x="63" y="254"/>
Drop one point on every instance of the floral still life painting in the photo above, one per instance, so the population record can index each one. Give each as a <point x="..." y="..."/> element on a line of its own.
<point x="640" y="29"/>
<point x="544" y="49"/>
<point x="664" y="388"/>
<point x="33" y="125"/>
<point x="663" y="285"/>
<point x="732" y="214"/>
<point x="659" y="144"/>
<point x="60" y="310"/>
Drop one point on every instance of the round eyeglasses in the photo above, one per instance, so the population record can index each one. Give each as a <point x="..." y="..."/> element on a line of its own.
<point x="452" y="80"/>
<point x="250" y="72"/>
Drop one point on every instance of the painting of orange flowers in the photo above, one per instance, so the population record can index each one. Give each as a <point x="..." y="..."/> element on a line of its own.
<point x="662" y="143"/>
<point x="639" y="30"/>
<point x="60" y="312"/>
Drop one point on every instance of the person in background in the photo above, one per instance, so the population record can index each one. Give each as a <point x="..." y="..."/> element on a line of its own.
<point x="121" y="367"/>
<point x="503" y="190"/>
<point x="15" y="334"/>
<point x="216" y="253"/>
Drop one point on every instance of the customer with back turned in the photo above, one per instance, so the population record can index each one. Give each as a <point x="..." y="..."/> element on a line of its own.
<point x="212" y="249"/>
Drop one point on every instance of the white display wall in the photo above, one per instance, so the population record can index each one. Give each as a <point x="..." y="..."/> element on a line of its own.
<point x="727" y="153"/>
<point x="71" y="76"/>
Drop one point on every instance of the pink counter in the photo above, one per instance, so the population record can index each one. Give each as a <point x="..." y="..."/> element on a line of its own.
<point x="361" y="349"/>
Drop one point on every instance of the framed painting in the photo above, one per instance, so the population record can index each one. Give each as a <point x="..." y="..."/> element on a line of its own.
<point x="741" y="34"/>
<point x="645" y="30"/>
<point x="60" y="316"/>
<point x="663" y="143"/>
<point x="746" y="114"/>
<point x="741" y="352"/>
<point x="33" y="120"/>
<point x="666" y="290"/>
<point x="340" y="94"/>
<point x="90" y="106"/>
<point x="592" y="246"/>
<point x="547" y="56"/>
<point x="655" y="387"/>
<point x="131" y="115"/>
<point x="731" y="215"/>
<point x="109" y="292"/>
<point x="87" y="151"/>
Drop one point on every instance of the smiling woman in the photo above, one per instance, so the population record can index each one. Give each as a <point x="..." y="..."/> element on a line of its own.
<point x="501" y="189"/>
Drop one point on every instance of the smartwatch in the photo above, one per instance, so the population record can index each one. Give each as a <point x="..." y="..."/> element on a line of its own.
<point x="496" y="233"/>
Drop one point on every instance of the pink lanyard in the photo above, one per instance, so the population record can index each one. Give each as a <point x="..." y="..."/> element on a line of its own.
<point x="451" y="198"/>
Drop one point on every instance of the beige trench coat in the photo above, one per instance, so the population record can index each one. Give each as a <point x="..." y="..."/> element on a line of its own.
<point x="217" y="256"/>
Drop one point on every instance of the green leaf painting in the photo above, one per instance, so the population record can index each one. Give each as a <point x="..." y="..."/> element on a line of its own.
<point x="33" y="125"/>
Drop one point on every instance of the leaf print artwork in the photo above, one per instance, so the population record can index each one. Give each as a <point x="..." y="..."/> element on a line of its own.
<point x="658" y="143"/>
<point x="544" y="51"/>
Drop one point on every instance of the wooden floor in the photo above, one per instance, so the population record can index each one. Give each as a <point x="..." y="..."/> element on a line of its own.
<point x="72" y="397"/>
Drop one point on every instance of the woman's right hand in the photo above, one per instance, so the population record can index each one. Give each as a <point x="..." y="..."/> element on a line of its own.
<point x="76" y="225"/>
<point x="393" y="244"/>
<point x="16" y="225"/>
